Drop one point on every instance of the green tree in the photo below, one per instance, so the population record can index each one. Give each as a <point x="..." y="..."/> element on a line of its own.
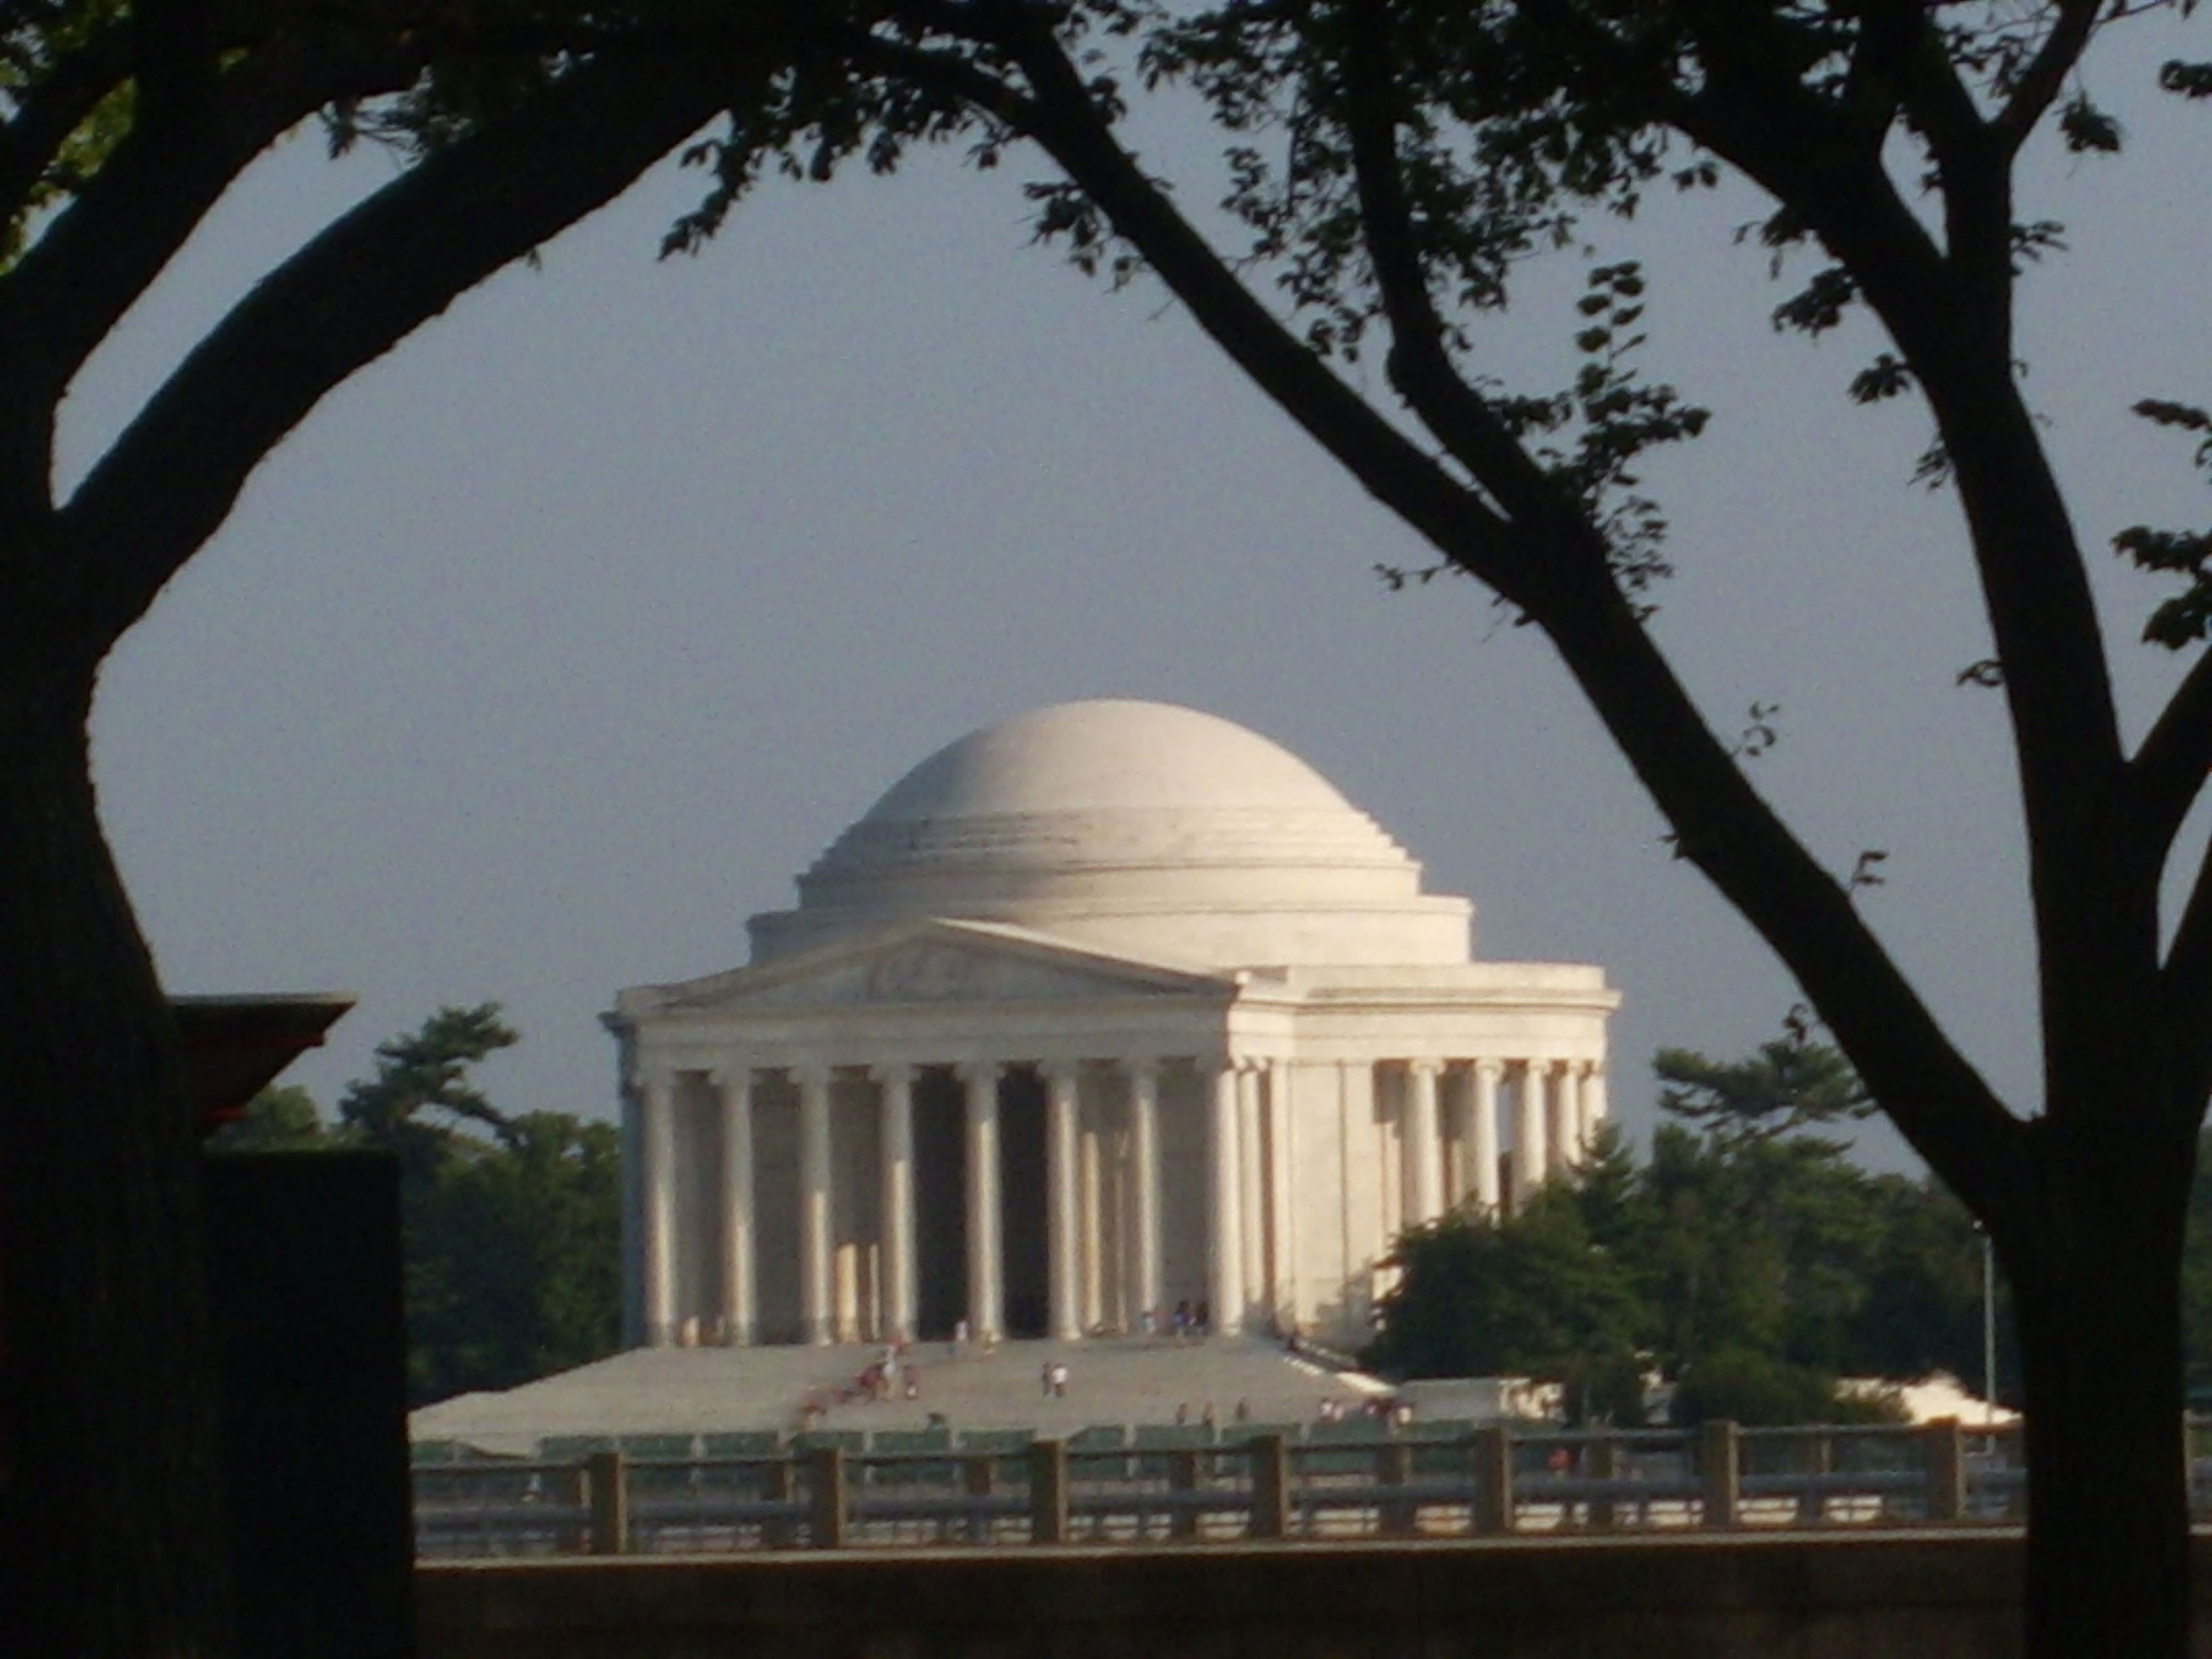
<point x="1531" y="1296"/>
<point x="1751" y="1265"/>
<point x="122" y="123"/>
<point x="513" y="1257"/>
<point x="1764" y="1237"/>
<point x="1763" y="1388"/>
<point x="513" y="1240"/>
<point x="428" y="1071"/>
<point x="281" y="1118"/>
<point x="1790" y="1084"/>
<point x="1394" y="167"/>
<point x="1923" y="1311"/>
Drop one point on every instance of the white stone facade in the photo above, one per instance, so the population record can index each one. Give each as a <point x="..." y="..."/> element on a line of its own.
<point x="1112" y="1008"/>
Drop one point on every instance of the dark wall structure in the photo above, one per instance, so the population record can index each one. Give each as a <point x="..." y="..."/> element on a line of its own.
<point x="1941" y="1595"/>
<point x="304" y="1271"/>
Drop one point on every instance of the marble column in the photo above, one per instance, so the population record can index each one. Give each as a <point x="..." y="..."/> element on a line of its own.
<point x="1530" y="1159"/>
<point x="1594" y="1104"/>
<point x="986" y="1254"/>
<point x="1452" y="1093"/>
<point x="815" y="1267"/>
<point x="901" y="1296"/>
<point x="657" y="1112"/>
<point x="1282" y="1245"/>
<point x="1252" y="1203"/>
<point x="740" y="1315"/>
<point x="1063" y="1206"/>
<point x="1090" y="1198"/>
<point x="1484" y="1140"/>
<point x="1564" y="1119"/>
<point x="1423" y="1180"/>
<point x="1144" y="1186"/>
<point x="1226" y="1237"/>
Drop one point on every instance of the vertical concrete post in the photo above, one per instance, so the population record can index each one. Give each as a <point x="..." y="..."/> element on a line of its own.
<point x="825" y="1497"/>
<point x="1945" y="1446"/>
<point x="777" y="1490"/>
<point x="1720" y="1448"/>
<point x="2188" y="1436"/>
<point x="1048" y="1492"/>
<point x="1394" y="1461"/>
<point x="1820" y="1459"/>
<point x="1271" y="1486"/>
<point x="606" y="1495"/>
<point x="777" y="1487"/>
<point x="1182" y="1478"/>
<point x="1603" y="1458"/>
<point x="978" y="1476"/>
<point x="1493" y="1480"/>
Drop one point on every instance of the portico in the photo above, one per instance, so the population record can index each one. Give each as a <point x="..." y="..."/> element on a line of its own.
<point x="922" y="1107"/>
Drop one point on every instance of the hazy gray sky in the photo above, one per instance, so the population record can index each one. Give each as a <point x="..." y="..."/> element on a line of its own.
<point x="554" y="645"/>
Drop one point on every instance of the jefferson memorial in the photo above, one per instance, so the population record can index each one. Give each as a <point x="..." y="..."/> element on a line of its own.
<point x="1109" y="1010"/>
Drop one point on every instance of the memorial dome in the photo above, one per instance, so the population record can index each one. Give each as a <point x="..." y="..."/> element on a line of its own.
<point x="1107" y="754"/>
<point x="1137" y="826"/>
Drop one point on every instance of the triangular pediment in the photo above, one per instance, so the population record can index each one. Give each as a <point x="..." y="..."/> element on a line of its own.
<point x="943" y="962"/>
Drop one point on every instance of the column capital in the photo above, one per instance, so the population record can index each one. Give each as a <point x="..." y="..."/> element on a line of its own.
<point x="1134" y="1066"/>
<point x="1065" y="1073"/>
<point x="812" y="1072"/>
<point x="1424" y="1065"/>
<point x="1488" y="1066"/>
<point x="732" y="1073"/>
<point x="897" y="1071"/>
<point x="979" y="1070"/>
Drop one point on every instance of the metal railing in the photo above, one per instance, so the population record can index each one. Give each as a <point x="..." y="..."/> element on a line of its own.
<point x="1108" y="1486"/>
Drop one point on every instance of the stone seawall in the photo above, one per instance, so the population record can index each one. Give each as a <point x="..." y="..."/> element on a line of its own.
<point x="1952" y="1594"/>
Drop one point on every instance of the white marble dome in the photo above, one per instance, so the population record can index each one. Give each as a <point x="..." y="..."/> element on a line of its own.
<point x="1137" y="827"/>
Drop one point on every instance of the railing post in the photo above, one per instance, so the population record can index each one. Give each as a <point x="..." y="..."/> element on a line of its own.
<point x="1396" y="1458"/>
<point x="1820" y="1459"/>
<point x="1048" y="1492"/>
<point x="2188" y="1462"/>
<point x="2012" y="1456"/>
<point x="825" y="1497"/>
<point x="1271" y="1486"/>
<point x="606" y="1495"/>
<point x="1720" y="1469"/>
<point x="1182" y="1478"/>
<point x="1493" y="1480"/>
<point x="1603" y="1458"/>
<point x="1945" y="1445"/>
<point x="776" y="1488"/>
<point x="978" y="1475"/>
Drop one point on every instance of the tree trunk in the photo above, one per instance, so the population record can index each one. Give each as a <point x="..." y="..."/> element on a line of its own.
<point x="2097" y="1292"/>
<point x="110" y="1510"/>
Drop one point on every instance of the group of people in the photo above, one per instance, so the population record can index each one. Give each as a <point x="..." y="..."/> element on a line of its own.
<point x="1188" y="1320"/>
<point x="891" y="1375"/>
<point x="1387" y="1407"/>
